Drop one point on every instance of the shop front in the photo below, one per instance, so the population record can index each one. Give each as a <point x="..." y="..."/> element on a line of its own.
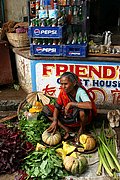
<point x="100" y="75"/>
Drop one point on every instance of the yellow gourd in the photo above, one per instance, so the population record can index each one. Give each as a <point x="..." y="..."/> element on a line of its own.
<point x="87" y="141"/>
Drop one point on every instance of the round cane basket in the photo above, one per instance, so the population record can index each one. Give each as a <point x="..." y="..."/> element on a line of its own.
<point x="20" y="108"/>
<point x="18" y="39"/>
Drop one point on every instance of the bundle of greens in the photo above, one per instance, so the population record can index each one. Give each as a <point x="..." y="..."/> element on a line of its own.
<point x="44" y="165"/>
<point x="33" y="129"/>
<point x="13" y="148"/>
<point x="107" y="153"/>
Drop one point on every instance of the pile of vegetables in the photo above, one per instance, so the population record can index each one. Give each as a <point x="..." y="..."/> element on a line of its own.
<point x="74" y="162"/>
<point x="32" y="122"/>
<point x="33" y="129"/>
<point x="13" y="149"/>
<point x="107" y="153"/>
<point x="47" y="163"/>
<point x="44" y="165"/>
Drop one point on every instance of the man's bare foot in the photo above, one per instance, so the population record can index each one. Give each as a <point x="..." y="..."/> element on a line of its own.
<point x="66" y="135"/>
<point x="80" y="131"/>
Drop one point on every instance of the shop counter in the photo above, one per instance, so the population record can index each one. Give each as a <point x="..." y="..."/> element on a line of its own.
<point x="99" y="74"/>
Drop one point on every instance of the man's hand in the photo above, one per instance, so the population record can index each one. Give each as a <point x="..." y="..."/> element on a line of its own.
<point x="67" y="107"/>
<point x="53" y="127"/>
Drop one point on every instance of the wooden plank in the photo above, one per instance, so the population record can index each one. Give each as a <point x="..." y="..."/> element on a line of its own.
<point x="103" y="55"/>
<point x="8" y="118"/>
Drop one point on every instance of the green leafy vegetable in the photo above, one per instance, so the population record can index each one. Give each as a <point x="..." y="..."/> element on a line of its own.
<point x="44" y="165"/>
<point x="33" y="129"/>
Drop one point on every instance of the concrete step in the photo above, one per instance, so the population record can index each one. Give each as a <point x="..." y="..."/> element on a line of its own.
<point x="9" y="105"/>
<point x="4" y="114"/>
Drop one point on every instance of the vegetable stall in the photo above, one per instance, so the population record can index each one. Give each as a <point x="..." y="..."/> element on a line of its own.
<point x="26" y="147"/>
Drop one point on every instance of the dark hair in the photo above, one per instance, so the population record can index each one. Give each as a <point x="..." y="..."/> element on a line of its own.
<point x="72" y="77"/>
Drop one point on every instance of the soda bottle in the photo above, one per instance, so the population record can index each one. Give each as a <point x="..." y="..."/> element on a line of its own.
<point x="74" y="41"/>
<point x="59" y="11"/>
<point x="54" y="22"/>
<point x="63" y="14"/>
<point x="73" y="2"/>
<point x="60" y="42"/>
<point x="67" y="2"/>
<point x="55" y="4"/>
<point x="60" y="21"/>
<point x="37" y="4"/>
<point x="39" y="41"/>
<point x="32" y="8"/>
<point x="42" y="23"/>
<point x="85" y="37"/>
<point x="79" y="39"/>
<point x="80" y="15"/>
<point x="54" y="42"/>
<point x="32" y="22"/>
<point x="70" y="38"/>
<point x="74" y="17"/>
<point x="50" y="41"/>
<point x="35" y="42"/>
<point x="36" y="22"/>
<point x="69" y="16"/>
<point x="48" y="22"/>
<point x="44" y="41"/>
<point x="37" y="7"/>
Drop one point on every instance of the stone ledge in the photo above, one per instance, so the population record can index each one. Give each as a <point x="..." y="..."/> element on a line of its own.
<point x="7" y="113"/>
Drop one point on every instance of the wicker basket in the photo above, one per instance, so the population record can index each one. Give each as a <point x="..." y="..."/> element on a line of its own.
<point x="18" y="39"/>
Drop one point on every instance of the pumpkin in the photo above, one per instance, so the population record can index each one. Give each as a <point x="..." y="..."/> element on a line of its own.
<point x="51" y="139"/>
<point x="87" y="141"/>
<point x="83" y="163"/>
<point x="75" y="165"/>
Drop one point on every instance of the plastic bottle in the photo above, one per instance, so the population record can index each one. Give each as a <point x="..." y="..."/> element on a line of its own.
<point x="32" y="8"/>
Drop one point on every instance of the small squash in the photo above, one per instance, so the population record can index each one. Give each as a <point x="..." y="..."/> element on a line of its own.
<point x="75" y="165"/>
<point x="87" y="141"/>
<point x="51" y="139"/>
<point x="68" y="148"/>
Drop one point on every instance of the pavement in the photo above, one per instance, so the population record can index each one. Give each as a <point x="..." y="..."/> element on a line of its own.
<point x="10" y="99"/>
